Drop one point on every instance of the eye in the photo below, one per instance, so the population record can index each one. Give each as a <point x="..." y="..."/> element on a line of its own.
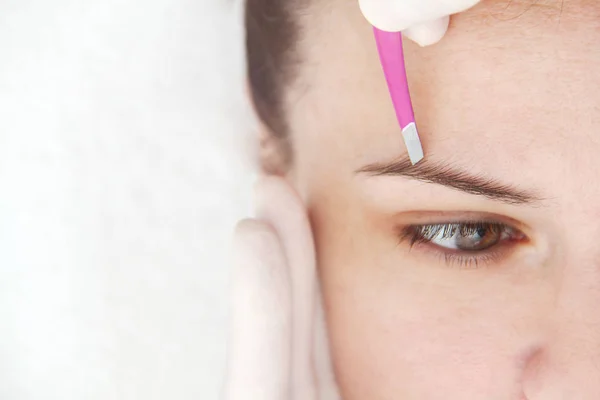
<point x="466" y="237"/>
<point x="465" y="242"/>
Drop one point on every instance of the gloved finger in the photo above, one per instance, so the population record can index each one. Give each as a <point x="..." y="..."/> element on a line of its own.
<point x="428" y="33"/>
<point x="278" y="204"/>
<point x="259" y="359"/>
<point x="399" y="15"/>
<point x="326" y="383"/>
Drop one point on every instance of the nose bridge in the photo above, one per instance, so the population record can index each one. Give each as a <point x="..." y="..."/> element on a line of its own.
<point x="578" y="286"/>
<point x="567" y="366"/>
<point x="577" y="274"/>
<point x="577" y="317"/>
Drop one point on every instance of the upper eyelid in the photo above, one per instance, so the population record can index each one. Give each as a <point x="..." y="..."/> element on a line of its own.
<point x="457" y="225"/>
<point x="426" y="217"/>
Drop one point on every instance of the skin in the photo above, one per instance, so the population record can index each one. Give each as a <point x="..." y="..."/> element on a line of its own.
<point x="511" y="94"/>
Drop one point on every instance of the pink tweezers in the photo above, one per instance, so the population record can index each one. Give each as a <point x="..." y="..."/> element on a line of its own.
<point x="391" y="54"/>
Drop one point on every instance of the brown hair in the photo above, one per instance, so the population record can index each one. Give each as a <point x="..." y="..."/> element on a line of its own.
<point x="271" y="35"/>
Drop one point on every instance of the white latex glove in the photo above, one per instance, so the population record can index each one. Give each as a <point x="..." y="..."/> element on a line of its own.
<point x="423" y="21"/>
<point x="278" y="347"/>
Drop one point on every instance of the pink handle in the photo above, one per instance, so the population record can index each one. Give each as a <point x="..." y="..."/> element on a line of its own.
<point x="391" y="54"/>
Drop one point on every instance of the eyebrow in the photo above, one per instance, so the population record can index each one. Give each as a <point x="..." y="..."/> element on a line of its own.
<point x="455" y="178"/>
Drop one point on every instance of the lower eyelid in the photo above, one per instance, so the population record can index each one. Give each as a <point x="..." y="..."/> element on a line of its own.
<point x="465" y="260"/>
<point x="474" y="262"/>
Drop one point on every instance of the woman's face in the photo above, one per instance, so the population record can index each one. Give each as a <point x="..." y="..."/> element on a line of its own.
<point x="499" y="295"/>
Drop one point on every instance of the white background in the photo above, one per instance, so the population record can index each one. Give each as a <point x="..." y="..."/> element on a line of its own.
<point x="121" y="129"/>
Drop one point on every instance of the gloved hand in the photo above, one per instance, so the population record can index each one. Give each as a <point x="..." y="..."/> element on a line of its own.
<point x="278" y="348"/>
<point x="423" y="21"/>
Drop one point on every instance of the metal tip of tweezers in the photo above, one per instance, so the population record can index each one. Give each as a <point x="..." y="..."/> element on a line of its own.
<point x="413" y="143"/>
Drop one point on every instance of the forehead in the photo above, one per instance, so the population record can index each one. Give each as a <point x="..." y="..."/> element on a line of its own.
<point x="514" y="84"/>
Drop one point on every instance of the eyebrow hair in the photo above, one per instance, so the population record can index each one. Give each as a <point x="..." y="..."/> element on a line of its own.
<point x="455" y="178"/>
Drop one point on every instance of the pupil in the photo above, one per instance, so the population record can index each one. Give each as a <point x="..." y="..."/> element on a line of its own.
<point x="482" y="232"/>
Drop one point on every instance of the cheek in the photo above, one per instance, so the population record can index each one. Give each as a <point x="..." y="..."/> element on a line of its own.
<point x="377" y="352"/>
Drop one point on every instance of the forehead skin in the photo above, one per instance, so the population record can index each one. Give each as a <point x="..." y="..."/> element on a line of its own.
<point x="513" y="77"/>
<point x="512" y="93"/>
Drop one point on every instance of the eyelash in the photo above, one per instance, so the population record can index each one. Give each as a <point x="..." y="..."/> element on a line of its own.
<point x="424" y="234"/>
